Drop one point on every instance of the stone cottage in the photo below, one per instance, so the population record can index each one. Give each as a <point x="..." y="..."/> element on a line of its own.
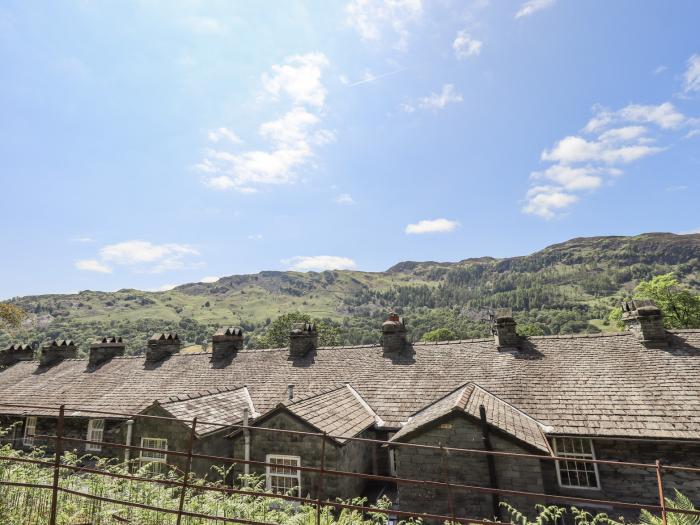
<point x="628" y="396"/>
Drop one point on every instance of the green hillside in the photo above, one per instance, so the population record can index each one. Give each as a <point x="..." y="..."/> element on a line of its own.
<point x="564" y="288"/>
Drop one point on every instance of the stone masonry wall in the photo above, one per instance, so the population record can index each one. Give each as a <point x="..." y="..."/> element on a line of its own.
<point x="354" y="457"/>
<point x="467" y="469"/>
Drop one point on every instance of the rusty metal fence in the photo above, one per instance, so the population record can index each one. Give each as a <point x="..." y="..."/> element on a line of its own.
<point x="60" y="439"/>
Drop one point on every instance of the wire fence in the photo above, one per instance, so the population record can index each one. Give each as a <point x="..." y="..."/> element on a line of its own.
<point x="452" y="489"/>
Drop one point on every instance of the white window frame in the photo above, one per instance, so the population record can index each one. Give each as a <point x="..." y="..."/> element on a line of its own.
<point x="269" y="475"/>
<point x="95" y="432"/>
<point x="573" y="457"/>
<point x="29" y="431"/>
<point x="159" y="458"/>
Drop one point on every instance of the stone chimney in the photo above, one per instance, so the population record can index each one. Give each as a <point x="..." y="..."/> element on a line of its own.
<point x="504" y="330"/>
<point x="303" y="339"/>
<point x="645" y="319"/>
<point x="14" y="353"/>
<point x="226" y="342"/>
<point x="56" y="351"/>
<point x="105" y="349"/>
<point x="393" y="334"/>
<point x="162" y="345"/>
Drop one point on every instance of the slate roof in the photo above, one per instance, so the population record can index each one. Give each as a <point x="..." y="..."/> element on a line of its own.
<point x="467" y="400"/>
<point x="340" y="412"/>
<point x="594" y="385"/>
<point x="224" y="407"/>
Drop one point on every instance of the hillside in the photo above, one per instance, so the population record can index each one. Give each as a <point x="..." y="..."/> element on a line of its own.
<point x="564" y="288"/>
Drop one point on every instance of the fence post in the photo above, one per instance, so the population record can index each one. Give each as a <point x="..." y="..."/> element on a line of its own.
<point x="662" y="500"/>
<point x="446" y="474"/>
<point x="188" y="467"/>
<point x="319" y="484"/>
<point x="57" y="464"/>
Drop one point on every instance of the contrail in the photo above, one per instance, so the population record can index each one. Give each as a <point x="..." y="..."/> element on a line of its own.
<point x="372" y="79"/>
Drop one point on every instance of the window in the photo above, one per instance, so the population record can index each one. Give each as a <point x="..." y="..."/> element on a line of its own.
<point x="95" y="432"/>
<point x="156" y="460"/>
<point x="572" y="473"/>
<point x="281" y="477"/>
<point x="29" y="431"/>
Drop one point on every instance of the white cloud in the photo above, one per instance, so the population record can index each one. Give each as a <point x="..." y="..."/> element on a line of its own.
<point x="532" y="6"/>
<point x="209" y="279"/>
<point x="659" y="69"/>
<point x="574" y="149"/>
<point x="665" y="115"/>
<point x="371" y="17"/>
<point x="82" y="239"/>
<point x="344" y="198"/>
<point x="256" y="237"/>
<point x="691" y="77"/>
<point x="292" y="137"/>
<point x="299" y="78"/>
<point x="165" y="288"/>
<point x="223" y="133"/>
<point x="680" y="187"/>
<point x="585" y="178"/>
<point x="465" y="46"/>
<point x="319" y="263"/>
<point x="148" y="256"/>
<point x="448" y="95"/>
<point x="92" y="265"/>
<point x="690" y="232"/>
<point x="546" y="201"/>
<point x="623" y="134"/>
<point x="432" y="226"/>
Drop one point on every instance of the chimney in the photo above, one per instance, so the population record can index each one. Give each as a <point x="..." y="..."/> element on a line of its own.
<point x="56" y="351"/>
<point x="393" y="334"/>
<point x="162" y="345"/>
<point x="14" y="353"/>
<point x="645" y="319"/>
<point x="303" y="338"/>
<point x="504" y="330"/>
<point x="105" y="349"/>
<point x="226" y="342"/>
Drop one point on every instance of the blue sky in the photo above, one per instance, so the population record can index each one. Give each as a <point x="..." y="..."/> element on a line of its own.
<point x="153" y="143"/>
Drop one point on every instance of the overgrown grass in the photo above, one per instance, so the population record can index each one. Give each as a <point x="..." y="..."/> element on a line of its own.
<point x="31" y="506"/>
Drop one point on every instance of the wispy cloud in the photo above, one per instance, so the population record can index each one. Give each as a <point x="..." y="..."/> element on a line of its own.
<point x="82" y="239"/>
<point x="371" y="77"/>
<point x="142" y="256"/>
<point x="583" y="163"/>
<point x="371" y="18"/>
<point x="691" y="77"/>
<point x="204" y="25"/>
<point x="659" y="69"/>
<point x="532" y="6"/>
<point x="465" y="46"/>
<point x="690" y="232"/>
<point x="435" y="101"/>
<point x="92" y="265"/>
<point x="209" y="279"/>
<point x="292" y="138"/>
<point x="319" y="263"/>
<point x="344" y="198"/>
<point x="431" y="226"/>
<point x="255" y="237"/>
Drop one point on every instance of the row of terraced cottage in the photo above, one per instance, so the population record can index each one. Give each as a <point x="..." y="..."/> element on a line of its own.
<point x="628" y="396"/>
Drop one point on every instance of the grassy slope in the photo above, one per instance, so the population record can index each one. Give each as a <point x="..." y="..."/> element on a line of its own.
<point x="584" y="276"/>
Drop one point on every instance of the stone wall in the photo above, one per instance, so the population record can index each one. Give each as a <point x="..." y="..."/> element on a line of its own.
<point x="353" y="457"/>
<point x="466" y="469"/>
<point x="635" y="485"/>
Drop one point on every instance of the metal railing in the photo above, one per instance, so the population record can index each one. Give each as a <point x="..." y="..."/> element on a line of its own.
<point x="60" y="439"/>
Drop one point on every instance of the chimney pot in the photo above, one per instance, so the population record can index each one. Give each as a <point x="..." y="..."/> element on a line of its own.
<point x="645" y="319"/>
<point x="104" y="349"/>
<point x="56" y="351"/>
<point x="303" y="339"/>
<point x="162" y="345"/>
<point x="14" y="353"/>
<point x="393" y="334"/>
<point x="226" y="342"/>
<point x="505" y="330"/>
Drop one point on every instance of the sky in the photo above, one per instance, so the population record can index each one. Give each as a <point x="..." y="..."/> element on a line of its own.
<point x="150" y="143"/>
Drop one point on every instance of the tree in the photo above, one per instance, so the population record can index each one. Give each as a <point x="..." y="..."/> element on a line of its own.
<point x="277" y="334"/>
<point x="680" y="306"/>
<point x="11" y="316"/>
<point x="439" y="334"/>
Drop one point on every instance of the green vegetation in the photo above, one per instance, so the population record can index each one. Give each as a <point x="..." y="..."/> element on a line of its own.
<point x="277" y="334"/>
<point x="563" y="289"/>
<point x="679" y="304"/>
<point x="439" y="334"/>
<point x="11" y="316"/>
